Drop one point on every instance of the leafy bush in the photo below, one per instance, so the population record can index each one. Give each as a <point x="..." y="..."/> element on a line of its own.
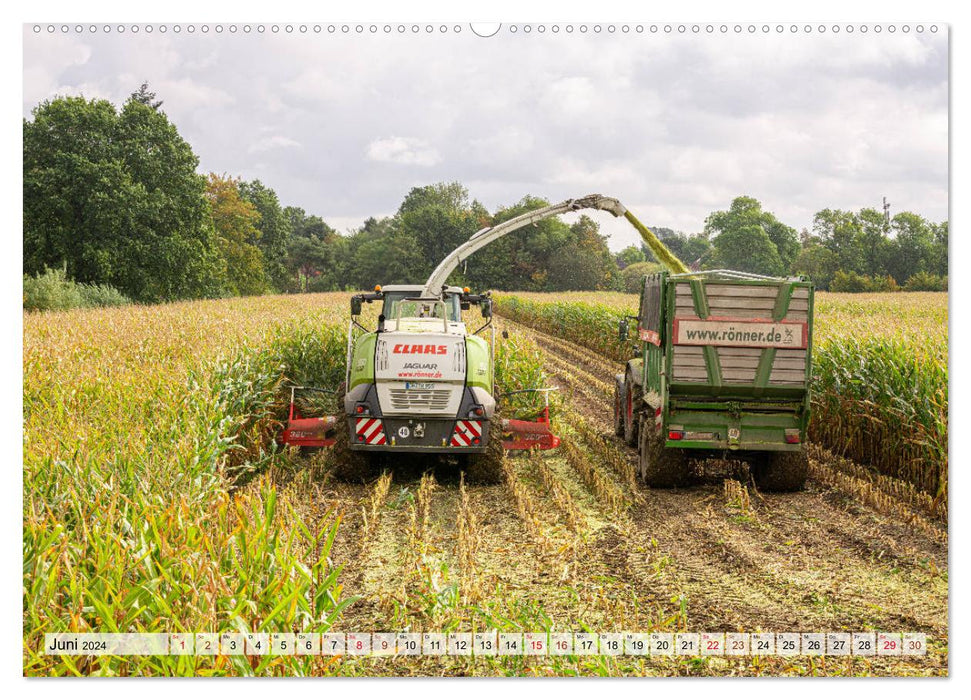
<point x="926" y="282"/>
<point x="101" y="295"/>
<point x="632" y="276"/>
<point x="51" y="291"/>
<point x="844" y="281"/>
<point x="884" y="284"/>
<point x="55" y="291"/>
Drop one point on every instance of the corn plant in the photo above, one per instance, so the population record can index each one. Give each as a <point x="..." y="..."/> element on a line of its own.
<point x="520" y="364"/>
<point x="137" y="424"/>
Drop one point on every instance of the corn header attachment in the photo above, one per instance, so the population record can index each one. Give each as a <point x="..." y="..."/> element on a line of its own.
<point x="528" y="435"/>
<point x="307" y="432"/>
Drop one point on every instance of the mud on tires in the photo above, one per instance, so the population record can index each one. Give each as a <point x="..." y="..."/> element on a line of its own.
<point x="660" y="466"/>
<point x="781" y="472"/>
<point x="486" y="468"/>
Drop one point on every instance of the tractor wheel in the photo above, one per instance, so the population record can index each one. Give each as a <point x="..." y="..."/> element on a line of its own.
<point x="619" y="406"/>
<point x="660" y="466"/>
<point x="486" y="468"/>
<point x="781" y="471"/>
<point x="345" y="463"/>
<point x="632" y="402"/>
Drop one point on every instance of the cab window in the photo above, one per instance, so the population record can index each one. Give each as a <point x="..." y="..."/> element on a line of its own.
<point x="409" y="308"/>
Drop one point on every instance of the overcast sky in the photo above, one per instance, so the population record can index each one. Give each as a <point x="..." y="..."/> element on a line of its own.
<point x="674" y="125"/>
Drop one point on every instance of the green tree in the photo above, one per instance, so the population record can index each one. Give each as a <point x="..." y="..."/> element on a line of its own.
<point x="303" y="225"/>
<point x="912" y="246"/>
<point x="939" y="258"/>
<point x="521" y="260"/>
<point x="873" y="243"/>
<point x="841" y="232"/>
<point x="747" y="249"/>
<point x="146" y="97"/>
<point x="381" y="253"/>
<point x="629" y="256"/>
<point x="818" y="263"/>
<point x="274" y="227"/>
<point x="114" y="197"/>
<point x="317" y="256"/>
<point x="688" y="248"/>
<point x="584" y="262"/>
<point x="632" y="277"/>
<point x="746" y="213"/>
<point x="235" y="221"/>
<point x="439" y="218"/>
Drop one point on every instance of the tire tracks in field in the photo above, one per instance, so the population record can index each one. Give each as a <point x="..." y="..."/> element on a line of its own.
<point x="587" y="375"/>
<point x="802" y="560"/>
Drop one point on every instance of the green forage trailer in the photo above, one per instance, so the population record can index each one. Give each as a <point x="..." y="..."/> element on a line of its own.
<point x="723" y="370"/>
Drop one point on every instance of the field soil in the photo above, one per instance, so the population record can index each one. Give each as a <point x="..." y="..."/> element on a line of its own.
<point x="571" y="541"/>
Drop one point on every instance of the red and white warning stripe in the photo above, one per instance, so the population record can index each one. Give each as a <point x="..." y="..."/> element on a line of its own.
<point x="370" y="431"/>
<point x="657" y="417"/>
<point x="466" y="431"/>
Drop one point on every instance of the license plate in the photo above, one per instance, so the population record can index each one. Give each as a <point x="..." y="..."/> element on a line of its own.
<point x="421" y="386"/>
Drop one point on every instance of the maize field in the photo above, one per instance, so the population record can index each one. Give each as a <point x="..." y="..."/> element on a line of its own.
<point x="156" y="499"/>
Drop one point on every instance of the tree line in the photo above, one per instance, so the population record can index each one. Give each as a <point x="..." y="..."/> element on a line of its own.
<point x="112" y="197"/>
<point x="846" y="251"/>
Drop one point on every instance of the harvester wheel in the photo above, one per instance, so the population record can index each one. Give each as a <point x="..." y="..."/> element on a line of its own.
<point x="632" y="402"/>
<point x="660" y="466"/>
<point x="781" y="471"/>
<point x="618" y="406"/>
<point x="346" y="464"/>
<point x="486" y="468"/>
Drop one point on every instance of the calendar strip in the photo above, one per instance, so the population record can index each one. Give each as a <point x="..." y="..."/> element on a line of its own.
<point x="490" y="643"/>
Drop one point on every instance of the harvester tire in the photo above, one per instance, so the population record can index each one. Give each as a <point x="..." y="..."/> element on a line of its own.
<point x="781" y="472"/>
<point x="347" y="464"/>
<point x="619" y="406"/>
<point x="631" y="405"/>
<point x="486" y="468"/>
<point x="660" y="466"/>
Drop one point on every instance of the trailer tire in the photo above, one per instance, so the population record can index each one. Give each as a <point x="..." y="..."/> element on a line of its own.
<point x="486" y="468"/>
<point x="782" y="472"/>
<point x="347" y="464"/>
<point x="659" y="466"/>
<point x="632" y="400"/>
<point x="619" y="405"/>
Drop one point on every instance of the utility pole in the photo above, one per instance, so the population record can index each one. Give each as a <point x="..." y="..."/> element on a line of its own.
<point x="886" y="214"/>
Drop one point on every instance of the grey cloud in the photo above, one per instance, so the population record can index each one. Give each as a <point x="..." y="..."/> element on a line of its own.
<point x="675" y="126"/>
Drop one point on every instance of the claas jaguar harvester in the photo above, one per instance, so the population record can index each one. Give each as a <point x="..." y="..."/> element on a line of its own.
<point x="420" y="381"/>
